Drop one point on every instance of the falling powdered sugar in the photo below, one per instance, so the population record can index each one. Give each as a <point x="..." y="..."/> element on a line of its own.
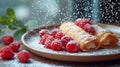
<point x="33" y="43"/>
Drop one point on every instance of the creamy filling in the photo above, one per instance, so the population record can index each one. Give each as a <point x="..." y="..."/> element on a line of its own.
<point x="91" y="46"/>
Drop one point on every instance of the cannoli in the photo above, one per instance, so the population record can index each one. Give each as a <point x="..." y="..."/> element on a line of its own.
<point x="105" y="37"/>
<point x="86" y="41"/>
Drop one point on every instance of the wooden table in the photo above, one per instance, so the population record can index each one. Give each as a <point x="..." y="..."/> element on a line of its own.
<point x="38" y="61"/>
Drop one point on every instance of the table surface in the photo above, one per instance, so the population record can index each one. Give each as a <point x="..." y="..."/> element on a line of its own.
<point x="36" y="61"/>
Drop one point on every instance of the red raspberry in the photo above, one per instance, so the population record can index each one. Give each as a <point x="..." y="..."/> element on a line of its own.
<point x="65" y="39"/>
<point x="72" y="46"/>
<point x="81" y="22"/>
<point x="78" y="21"/>
<point x="43" y="31"/>
<point x="59" y="35"/>
<point x="43" y="39"/>
<point x="1" y="50"/>
<point x="90" y="29"/>
<point x="7" y="53"/>
<point x="23" y="56"/>
<point x="53" y="32"/>
<point x="15" y="46"/>
<point x="57" y="45"/>
<point x="7" y="39"/>
<point x="48" y="42"/>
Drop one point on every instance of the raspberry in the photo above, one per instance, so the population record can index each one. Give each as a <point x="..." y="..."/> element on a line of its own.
<point x="65" y="39"/>
<point x="7" y="53"/>
<point x="72" y="46"/>
<point x="59" y="35"/>
<point x="81" y="22"/>
<point x="7" y="39"/>
<point x="1" y="50"/>
<point x="43" y="31"/>
<point x="57" y="45"/>
<point x="48" y="42"/>
<point x="53" y="32"/>
<point x="78" y="21"/>
<point x="15" y="46"/>
<point x="43" y="38"/>
<point x="90" y="29"/>
<point x="23" y="56"/>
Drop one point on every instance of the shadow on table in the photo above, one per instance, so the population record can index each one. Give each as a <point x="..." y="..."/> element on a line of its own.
<point x="112" y="63"/>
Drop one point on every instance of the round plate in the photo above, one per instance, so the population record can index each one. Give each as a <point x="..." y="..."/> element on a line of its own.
<point x="31" y="42"/>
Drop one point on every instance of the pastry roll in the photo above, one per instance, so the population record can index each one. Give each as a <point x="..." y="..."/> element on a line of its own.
<point x="86" y="41"/>
<point x="105" y="37"/>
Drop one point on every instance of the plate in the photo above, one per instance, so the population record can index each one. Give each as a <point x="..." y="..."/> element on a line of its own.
<point x="31" y="42"/>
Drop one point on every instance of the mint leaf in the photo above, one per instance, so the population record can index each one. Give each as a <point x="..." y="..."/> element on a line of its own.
<point x="4" y="20"/>
<point x="15" y="24"/>
<point x="18" y="34"/>
<point x="10" y="12"/>
<point x="12" y="27"/>
<point x="18" y="23"/>
<point x="32" y="23"/>
<point x="12" y="23"/>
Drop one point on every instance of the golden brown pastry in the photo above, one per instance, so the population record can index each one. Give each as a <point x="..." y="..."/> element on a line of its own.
<point x="105" y="37"/>
<point x="86" y="41"/>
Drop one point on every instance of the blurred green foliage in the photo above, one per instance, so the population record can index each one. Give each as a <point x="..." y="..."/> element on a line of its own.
<point x="10" y="22"/>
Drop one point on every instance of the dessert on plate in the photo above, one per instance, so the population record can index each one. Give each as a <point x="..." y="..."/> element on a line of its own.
<point x="106" y="38"/>
<point x="86" y="41"/>
<point x="80" y="35"/>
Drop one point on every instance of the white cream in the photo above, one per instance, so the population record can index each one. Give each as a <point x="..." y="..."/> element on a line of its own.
<point x="91" y="46"/>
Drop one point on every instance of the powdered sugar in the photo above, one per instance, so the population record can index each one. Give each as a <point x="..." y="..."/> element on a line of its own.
<point x="114" y="29"/>
<point x="72" y="42"/>
<point x="99" y="29"/>
<point x="33" y="43"/>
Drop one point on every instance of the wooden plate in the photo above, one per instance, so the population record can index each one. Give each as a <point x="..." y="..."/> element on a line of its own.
<point x="31" y="42"/>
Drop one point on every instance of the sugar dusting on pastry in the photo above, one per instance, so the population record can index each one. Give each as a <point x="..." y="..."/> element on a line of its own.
<point x="33" y="43"/>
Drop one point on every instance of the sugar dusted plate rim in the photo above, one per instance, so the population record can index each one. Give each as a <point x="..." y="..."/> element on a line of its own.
<point x="31" y="42"/>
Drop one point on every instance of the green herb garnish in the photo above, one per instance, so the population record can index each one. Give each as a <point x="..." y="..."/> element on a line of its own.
<point x="11" y="22"/>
